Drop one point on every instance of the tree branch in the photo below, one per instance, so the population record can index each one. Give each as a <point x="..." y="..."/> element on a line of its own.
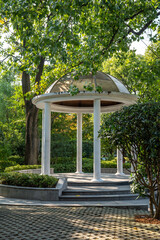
<point x="61" y="34"/>
<point x="142" y="29"/>
<point x="40" y="70"/>
<point x="10" y="55"/>
<point x="134" y="15"/>
<point x="110" y="42"/>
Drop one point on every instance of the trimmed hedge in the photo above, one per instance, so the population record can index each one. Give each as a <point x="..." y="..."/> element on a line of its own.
<point x="113" y="164"/>
<point x="67" y="167"/>
<point x="28" y="180"/>
<point x="21" y="167"/>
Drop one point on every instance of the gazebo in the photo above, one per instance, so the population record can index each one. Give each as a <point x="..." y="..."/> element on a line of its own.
<point x="57" y="98"/>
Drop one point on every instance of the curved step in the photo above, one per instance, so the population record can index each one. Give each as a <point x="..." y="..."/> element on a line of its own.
<point x="92" y="192"/>
<point x="98" y="197"/>
<point x="105" y="183"/>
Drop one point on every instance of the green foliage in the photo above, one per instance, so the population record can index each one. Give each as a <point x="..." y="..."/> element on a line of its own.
<point x="63" y="136"/>
<point x="66" y="150"/>
<point x="12" y="121"/>
<point x="68" y="166"/>
<point x="137" y="187"/>
<point x="70" y="34"/>
<point x="21" y="167"/>
<point x="10" y="162"/>
<point x="5" y="164"/>
<point x="64" y="167"/>
<point x="136" y="130"/>
<point x="73" y="90"/>
<point x="28" y="180"/>
<point x="89" y="87"/>
<point x="43" y="40"/>
<point x="63" y="149"/>
<point x="17" y="158"/>
<point x="138" y="73"/>
<point x="113" y="164"/>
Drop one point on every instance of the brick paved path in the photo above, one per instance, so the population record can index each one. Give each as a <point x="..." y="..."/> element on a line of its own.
<point x="71" y="223"/>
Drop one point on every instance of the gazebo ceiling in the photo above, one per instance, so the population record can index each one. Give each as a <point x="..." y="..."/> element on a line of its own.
<point x="114" y="95"/>
<point x="85" y="103"/>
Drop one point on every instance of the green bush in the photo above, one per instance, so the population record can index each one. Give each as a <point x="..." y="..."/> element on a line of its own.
<point x="113" y="164"/>
<point x="10" y="161"/>
<point x="67" y="149"/>
<point x="18" y="159"/>
<point x="62" y="160"/>
<point x="28" y="180"/>
<point x="136" y="130"/>
<point x="64" y="168"/>
<point x="5" y="163"/>
<point x="21" y="167"/>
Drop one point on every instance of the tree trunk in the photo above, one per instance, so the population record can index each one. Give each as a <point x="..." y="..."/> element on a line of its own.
<point x="31" y="146"/>
<point x="157" y="212"/>
<point x="151" y="207"/>
<point x="31" y="136"/>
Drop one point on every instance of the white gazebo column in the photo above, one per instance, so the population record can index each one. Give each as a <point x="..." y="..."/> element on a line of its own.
<point x="46" y="139"/>
<point x="97" y="142"/>
<point x="119" y="163"/>
<point x="79" y="143"/>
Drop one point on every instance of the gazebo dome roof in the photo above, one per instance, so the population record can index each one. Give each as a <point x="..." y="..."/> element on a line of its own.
<point x="107" y="82"/>
<point x="114" y="94"/>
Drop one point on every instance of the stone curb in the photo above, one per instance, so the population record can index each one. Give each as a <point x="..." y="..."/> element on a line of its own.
<point x="43" y="194"/>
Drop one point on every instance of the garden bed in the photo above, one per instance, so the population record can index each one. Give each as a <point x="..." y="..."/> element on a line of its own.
<point x="31" y="186"/>
<point x="34" y="193"/>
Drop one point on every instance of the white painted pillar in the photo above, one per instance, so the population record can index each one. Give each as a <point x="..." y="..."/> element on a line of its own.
<point x="119" y="163"/>
<point x="46" y="139"/>
<point x="97" y="142"/>
<point x="79" y="143"/>
<point x="42" y="150"/>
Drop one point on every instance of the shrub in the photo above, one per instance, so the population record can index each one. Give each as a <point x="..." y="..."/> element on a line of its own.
<point x="65" y="168"/>
<point x="10" y="161"/>
<point x="5" y="163"/>
<point x="67" y="149"/>
<point x="18" y="159"/>
<point x="28" y="180"/>
<point x="136" y="130"/>
<point x="21" y="167"/>
<point x="113" y="164"/>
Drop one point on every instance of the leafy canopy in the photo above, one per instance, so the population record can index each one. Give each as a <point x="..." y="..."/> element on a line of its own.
<point x="71" y="34"/>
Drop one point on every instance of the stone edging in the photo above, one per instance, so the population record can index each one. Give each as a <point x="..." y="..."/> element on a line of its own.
<point x="113" y="170"/>
<point x="42" y="194"/>
<point x="34" y="170"/>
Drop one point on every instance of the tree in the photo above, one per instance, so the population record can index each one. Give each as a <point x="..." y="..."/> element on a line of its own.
<point x="12" y="116"/>
<point x="136" y="130"/>
<point x="138" y="73"/>
<point x="44" y="35"/>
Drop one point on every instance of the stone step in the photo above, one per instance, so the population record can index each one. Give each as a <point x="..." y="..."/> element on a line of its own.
<point x="98" y="197"/>
<point x="95" y="192"/>
<point x="105" y="183"/>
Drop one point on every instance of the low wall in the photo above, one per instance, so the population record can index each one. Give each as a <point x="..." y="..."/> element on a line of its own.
<point x="113" y="170"/>
<point x="43" y="194"/>
<point x="37" y="170"/>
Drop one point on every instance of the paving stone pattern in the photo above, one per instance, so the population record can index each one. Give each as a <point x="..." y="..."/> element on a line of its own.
<point x="71" y="223"/>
